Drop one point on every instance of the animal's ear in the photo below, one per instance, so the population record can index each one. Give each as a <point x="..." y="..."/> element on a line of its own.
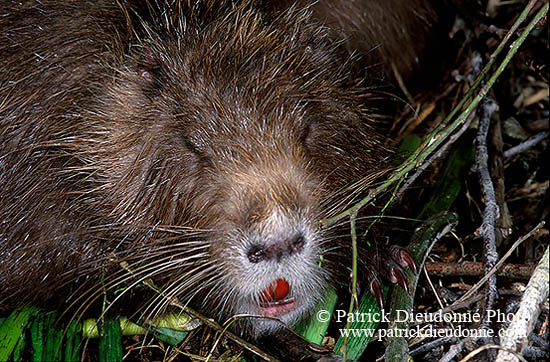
<point x="148" y="66"/>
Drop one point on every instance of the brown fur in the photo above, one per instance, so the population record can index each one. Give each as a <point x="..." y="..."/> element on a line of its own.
<point x="384" y="36"/>
<point x="176" y="143"/>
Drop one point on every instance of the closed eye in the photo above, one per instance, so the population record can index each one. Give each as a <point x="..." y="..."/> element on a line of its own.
<point x="192" y="147"/>
<point x="305" y="132"/>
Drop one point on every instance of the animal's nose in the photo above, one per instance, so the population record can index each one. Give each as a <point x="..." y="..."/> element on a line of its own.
<point x="277" y="250"/>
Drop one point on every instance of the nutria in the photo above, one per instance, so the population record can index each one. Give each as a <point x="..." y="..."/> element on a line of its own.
<point x="199" y="142"/>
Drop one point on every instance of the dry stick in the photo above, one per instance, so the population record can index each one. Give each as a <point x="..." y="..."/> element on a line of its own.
<point x="491" y="213"/>
<point x="504" y="223"/>
<point x="238" y="340"/>
<point x="457" y="348"/>
<point x="475" y="269"/>
<point x="427" y="347"/>
<point x="516" y="336"/>
<point x="446" y="340"/>
<point x="491" y="347"/>
<point x="525" y="145"/>
<point x="432" y="287"/>
<point x="444" y="130"/>
<point x="454" y="307"/>
<point x="482" y="281"/>
<point x="536" y="353"/>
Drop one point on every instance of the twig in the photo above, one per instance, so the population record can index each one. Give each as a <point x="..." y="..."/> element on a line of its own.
<point x="473" y="268"/>
<point x="432" y="287"/>
<point x="454" y="307"/>
<point x="525" y="145"/>
<point x="504" y="224"/>
<point x="457" y="348"/>
<point x="535" y="353"/>
<point x="491" y="211"/>
<point x="482" y="281"/>
<point x="516" y="336"/>
<point x="238" y="340"/>
<point x="427" y="347"/>
<point x="209" y="322"/>
<point x="401" y="83"/>
<point x="490" y="347"/>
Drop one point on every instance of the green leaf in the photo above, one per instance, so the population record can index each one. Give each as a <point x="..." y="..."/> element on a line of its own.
<point x="72" y="342"/>
<point x="110" y="345"/>
<point x="410" y="143"/>
<point x="171" y="336"/>
<point x="312" y="329"/>
<point x="37" y="339"/>
<point x="451" y="178"/>
<point x="53" y="336"/>
<point x="19" y="348"/>
<point x="12" y="329"/>
<point x="356" y="344"/>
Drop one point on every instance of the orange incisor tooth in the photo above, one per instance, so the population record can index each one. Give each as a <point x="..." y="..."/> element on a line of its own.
<point x="276" y="291"/>
<point x="281" y="290"/>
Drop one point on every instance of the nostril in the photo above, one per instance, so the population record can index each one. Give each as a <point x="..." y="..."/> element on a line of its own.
<point x="297" y="244"/>
<point x="278" y="250"/>
<point x="256" y="254"/>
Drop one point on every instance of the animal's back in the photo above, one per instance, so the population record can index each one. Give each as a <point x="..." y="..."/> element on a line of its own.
<point x="51" y="53"/>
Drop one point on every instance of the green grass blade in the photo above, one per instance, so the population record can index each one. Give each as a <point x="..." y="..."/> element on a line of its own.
<point x="170" y="336"/>
<point x="451" y="178"/>
<point x="19" y="348"/>
<point x="11" y="330"/>
<point x="37" y="339"/>
<point x="52" y="348"/>
<point x="72" y="342"/>
<point x="110" y="346"/>
<point x="356" y="344"/>
<point x="312" y="329"/>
